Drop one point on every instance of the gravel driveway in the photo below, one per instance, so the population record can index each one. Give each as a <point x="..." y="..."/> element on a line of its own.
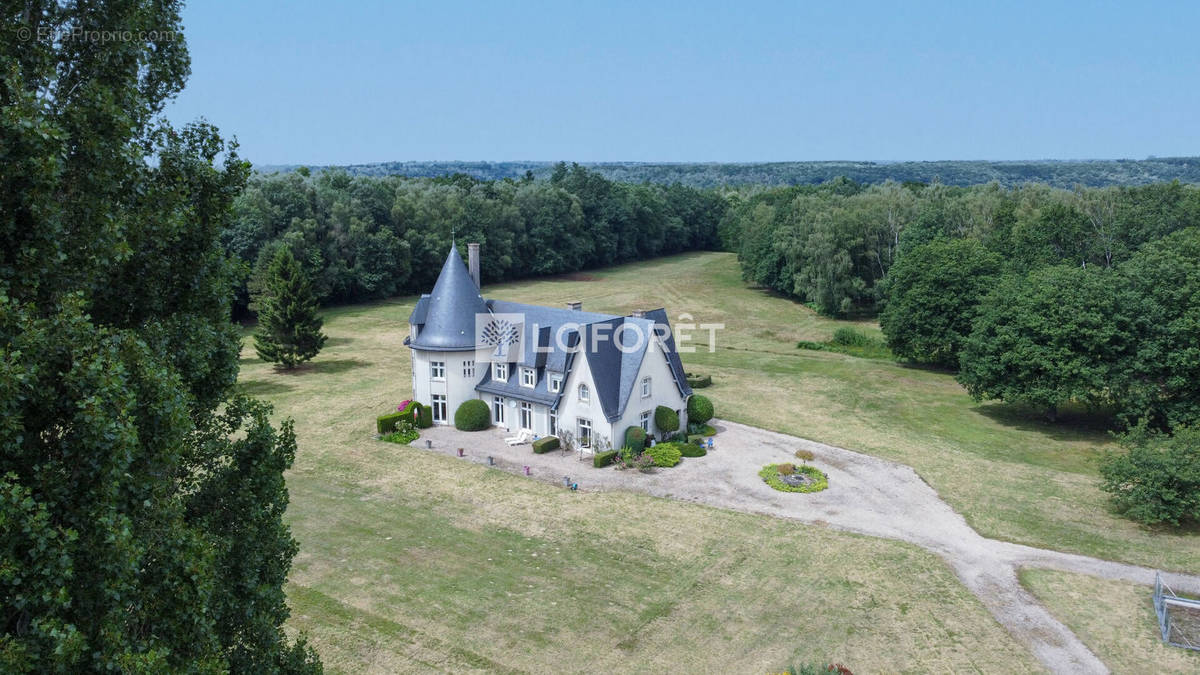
<point x="866" y="494"/>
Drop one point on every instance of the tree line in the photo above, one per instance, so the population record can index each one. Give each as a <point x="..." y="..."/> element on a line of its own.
<point x="1063" y="174"/>
<point x="360" y="238"/>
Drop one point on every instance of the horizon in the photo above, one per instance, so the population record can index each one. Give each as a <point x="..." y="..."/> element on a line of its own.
<point x="705" y="83"/>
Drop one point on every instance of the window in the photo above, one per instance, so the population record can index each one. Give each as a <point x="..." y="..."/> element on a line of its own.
<point x="468" y="369"/>
<point x="555" y="384"/>
<point x="584" y="394"/>
<point x="645" y="387"/>
<point x="646" y="421"/>
<point x="437" y="370"/>
<point x="527" y="416"/>
<point x="500" y="371"/>
<point x="528" y="377"/>
<point x="553" y="423"/>
<point x="439" y="408"/>
<point x="584" y="436"/>
<point x="498" y="409"/>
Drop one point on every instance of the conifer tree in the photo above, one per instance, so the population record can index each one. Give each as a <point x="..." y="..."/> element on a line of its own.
<point x="289" y="329"/>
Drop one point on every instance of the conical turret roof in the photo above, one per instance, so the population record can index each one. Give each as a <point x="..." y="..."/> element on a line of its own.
<point x="449" y="321"/>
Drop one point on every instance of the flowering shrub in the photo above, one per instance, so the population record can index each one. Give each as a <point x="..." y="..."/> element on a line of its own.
<point x="403" y="405"/>
<point x="404" y="434"/>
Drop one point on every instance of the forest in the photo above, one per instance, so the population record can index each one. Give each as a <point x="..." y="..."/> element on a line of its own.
<point x="361" y="238"/>
<point x="1058" y="173"/>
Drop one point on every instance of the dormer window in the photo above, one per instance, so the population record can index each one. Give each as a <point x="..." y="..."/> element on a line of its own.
<point x="555" y="384"/>
<point x="645" y="387"/>
<point x="500" y="372"/>
<point x="528" y="377"/>
<point x="584" y="394"/>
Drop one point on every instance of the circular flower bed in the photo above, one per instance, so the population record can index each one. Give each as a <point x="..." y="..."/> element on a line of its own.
<point x="802" y="479"/>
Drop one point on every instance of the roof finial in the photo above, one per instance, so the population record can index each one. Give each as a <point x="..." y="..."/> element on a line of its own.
<point x="452" y="243"/>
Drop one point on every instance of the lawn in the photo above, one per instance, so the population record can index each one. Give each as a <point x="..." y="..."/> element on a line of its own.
<point x="1115" y="619"/>
<point x="411" y="561"/>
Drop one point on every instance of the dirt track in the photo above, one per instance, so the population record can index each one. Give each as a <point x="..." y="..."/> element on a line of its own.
<point x="867" y="495"/>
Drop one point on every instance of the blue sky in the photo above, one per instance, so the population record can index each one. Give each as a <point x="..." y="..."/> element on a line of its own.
<point x="353" y="82"/>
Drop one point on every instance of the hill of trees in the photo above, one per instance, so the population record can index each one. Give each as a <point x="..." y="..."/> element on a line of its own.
<point x="1063" y="174"/>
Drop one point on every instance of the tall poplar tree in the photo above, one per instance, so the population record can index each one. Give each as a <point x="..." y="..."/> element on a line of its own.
<point x="141" y="498"/>
<point x="289" y="327"/>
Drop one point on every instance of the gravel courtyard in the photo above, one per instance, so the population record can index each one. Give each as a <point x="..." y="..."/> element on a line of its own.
<point x="866" y="494"/>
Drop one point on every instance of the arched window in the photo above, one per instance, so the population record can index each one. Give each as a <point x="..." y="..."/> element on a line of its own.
<point x="584" y="394"/>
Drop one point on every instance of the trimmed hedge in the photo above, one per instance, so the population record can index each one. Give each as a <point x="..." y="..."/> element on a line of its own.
<point x="665" y="455"/>
<point x="472" y="415"/>
<point x="699" y="409"/>
<point x="666" y="420"/>
<point x="695" y="439"/>
<point x="691" y="450"/>
<point x="424" y="415"/>
<point x="386" y="424"/>
<point x="770" y="476"/>
<point x="603" y="459"/>
<point x="635" y="438"/>
<point x="543" y="445"/>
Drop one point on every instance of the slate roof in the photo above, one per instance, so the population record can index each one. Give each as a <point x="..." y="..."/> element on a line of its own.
<point x="447" y="315"/>
<point x="447" y="323"/>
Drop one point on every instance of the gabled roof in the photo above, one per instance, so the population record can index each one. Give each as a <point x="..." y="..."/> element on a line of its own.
<point x="659" y="317"/>
<point x="447" y="315"/>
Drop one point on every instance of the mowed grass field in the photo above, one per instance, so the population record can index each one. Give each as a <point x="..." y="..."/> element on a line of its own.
<point x="412" y="561"/>
<point x="1115" y="619"/>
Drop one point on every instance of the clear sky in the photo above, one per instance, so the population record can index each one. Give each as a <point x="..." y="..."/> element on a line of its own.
<point x="365" y="81"/>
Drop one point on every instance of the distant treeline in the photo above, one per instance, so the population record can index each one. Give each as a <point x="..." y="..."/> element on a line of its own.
<point x="1035" y="294"/>
<point x="365" y="237"/>
<point x="1063" y="174"/>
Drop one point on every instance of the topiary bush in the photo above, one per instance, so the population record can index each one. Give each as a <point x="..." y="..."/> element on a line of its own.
<point x="695" y="439"/>
<point x="603" y="459"/>
<point x="771" y="476"/>
<point x="786" y="469"/>
<point x="692" y="450"/>
<point x="543" y="445"/>
<point x="699" y="409"/>
<point x="423" y="415"/>
<point x="386" y="424"/>
<point x="666" y="420"/>
<point x="635" y="438"/>
<point x="665" y="455"/>
<point x="804" y="455"/>
<point x="472" y="415"/>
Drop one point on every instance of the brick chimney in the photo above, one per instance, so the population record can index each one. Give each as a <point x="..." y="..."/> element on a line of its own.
<point x="575" y="305"/>
<point x="473" y="262"/>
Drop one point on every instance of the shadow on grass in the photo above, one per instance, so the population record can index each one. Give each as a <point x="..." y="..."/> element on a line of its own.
<point x="1074" y="422"/>
<point x="264" y="388"/>
<point x="338" y="341"/>
<point x="324" y="367"/>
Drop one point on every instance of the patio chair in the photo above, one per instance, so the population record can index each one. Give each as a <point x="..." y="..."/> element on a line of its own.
<point x="521" y="438"/>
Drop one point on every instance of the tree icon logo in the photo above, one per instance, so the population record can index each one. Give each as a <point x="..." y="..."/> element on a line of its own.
<point x="498" y="336"/>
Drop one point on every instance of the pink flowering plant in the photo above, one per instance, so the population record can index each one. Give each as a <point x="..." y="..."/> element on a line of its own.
<point x="403" y="405"/>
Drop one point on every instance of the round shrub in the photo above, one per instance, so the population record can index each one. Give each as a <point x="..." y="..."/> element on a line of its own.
<point x="771" y="476"/>
<point x="472" y="415"/>
<point x="786" y="469"/>
<point x="666" y="419"/>
<point x="699" y="409"/>
<point x="635" y="438"/>
<point x="692" y="450"/>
